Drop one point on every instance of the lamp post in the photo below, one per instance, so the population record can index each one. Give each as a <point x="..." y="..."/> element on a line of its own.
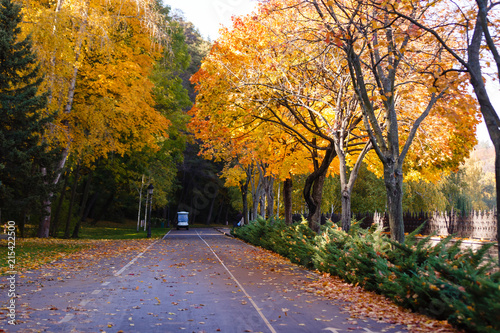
<point x="150" y="194"/>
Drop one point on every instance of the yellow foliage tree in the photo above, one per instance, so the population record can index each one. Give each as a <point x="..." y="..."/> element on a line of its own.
<point x="468" y="31"/>
<point x="399" y="73"/>
<point x="97" y="56"/>
<point x="315" y="70"/>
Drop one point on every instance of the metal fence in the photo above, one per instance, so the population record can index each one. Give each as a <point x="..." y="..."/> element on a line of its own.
<point x="476" y="224"/>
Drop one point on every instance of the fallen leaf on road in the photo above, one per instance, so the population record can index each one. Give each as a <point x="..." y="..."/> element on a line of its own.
<point x="361" y="304"/>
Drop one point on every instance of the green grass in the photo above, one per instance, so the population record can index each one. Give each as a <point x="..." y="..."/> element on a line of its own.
<point x="110" y="230"/>
<point x="31" y="253"/>
<point x="88" y="232"/>
<point x="207" y="226"/>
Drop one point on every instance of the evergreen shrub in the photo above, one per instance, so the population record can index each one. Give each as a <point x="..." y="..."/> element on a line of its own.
<point x="290" y="241"/>
<point x="442" y="281"/>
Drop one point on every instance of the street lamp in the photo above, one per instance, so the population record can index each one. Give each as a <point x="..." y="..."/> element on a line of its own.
<point x="150" y="194"/>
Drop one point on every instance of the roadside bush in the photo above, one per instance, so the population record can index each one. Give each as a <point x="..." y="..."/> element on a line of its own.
<point x="290" y="241"/>
<point x="444" y="282"/>
<point x="353" y="256"/>
<point x="440" y="280"/>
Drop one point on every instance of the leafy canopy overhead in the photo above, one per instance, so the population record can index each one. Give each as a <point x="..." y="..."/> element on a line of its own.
<point x="98" y="57"/>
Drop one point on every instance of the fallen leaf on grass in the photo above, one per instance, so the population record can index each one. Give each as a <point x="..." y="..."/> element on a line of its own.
<point x="71" y="255"/>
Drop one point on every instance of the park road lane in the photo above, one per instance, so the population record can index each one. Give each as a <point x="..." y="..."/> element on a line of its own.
<point x="197" y="280"/>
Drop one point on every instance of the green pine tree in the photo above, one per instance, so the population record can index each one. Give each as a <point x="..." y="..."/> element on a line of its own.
<point x="21" y="120"/>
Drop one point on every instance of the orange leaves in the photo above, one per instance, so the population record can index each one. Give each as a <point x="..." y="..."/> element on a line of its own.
<point x="331" y="38"/>
<point x="279" y="73"/>
<point x="328" y="37"/>
<point x="223" y="114"/>
<point x="236" y="108"/>
<point x="413" y="30"/>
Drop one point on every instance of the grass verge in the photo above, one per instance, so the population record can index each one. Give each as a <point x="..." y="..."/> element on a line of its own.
<point x="31" y="253"/>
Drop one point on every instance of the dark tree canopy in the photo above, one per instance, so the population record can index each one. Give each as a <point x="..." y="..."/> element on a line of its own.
<point x="22" y="153"/>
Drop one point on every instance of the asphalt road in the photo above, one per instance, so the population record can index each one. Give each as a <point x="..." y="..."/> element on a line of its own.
<point x="196" y="280"/>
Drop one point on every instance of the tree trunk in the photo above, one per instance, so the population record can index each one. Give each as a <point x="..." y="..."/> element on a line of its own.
<point x="346" y="209"/>
<point x="44" y="226"/>
<point x="244" y="194"/>
<point x="23" y="224"/>
<point x="278" y="202"/>
<point x="146" y="211"/>
<point x="256" y="193"/>
<point x="86" y="191"/>
<point x="101" y="213"/>
<point x="345" y="189"/>
<point x="497" y="179"/>
<point x="71" y="202"/>
<point x="227" y="215"/>
<point x="347" y="179"/>
<point x="489" y="113"/>
<point x="55" y="222"/>
<point x="393" y="178"/>
<point x="218" y="216"/>
<point x="193" y="211"/>
<point x="89" y="207"/>
<point x="287" y="198"/>
<point x="140" y="204"/>
<point x="262" y="201"/>
<point x="313" y="189"/>
<point x="314" y="214"/>
<point x="270" y="196"/>
<point x="211" y="209"/>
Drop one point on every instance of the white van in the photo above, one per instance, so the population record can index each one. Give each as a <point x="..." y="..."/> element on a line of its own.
<point x="182" y="220"/>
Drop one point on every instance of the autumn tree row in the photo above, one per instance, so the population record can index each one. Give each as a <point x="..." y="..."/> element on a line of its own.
<point x="314" y="87"/>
